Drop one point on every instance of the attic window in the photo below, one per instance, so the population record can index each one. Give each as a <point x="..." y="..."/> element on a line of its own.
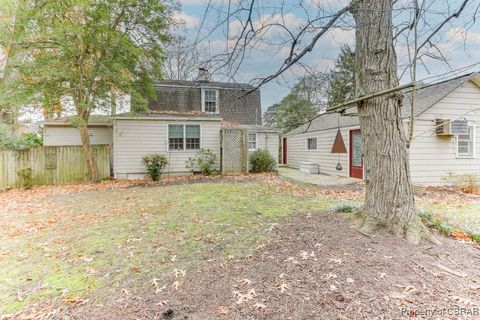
<point x="210" y="100"/>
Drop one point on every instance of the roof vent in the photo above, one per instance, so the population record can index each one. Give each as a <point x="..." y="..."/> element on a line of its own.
<point x="203" y="75"/>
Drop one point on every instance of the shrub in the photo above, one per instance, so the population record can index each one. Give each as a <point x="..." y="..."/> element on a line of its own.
<point x="204" y="159"/>
<point x="155" y="164"/>
<point x="9" y="141"/>
<point x="262" y="161"/>
<point x="26" y="179"/>
<point x="466" y="182"/>
<point x="347" y="208"/>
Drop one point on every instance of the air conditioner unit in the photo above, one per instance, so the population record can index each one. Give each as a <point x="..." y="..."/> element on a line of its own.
<point x="443" y="127"/>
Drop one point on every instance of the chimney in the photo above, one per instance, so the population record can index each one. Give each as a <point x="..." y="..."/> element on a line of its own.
<point x="202" y="75"/>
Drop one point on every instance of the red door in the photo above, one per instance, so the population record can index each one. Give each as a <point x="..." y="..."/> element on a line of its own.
<point x="284" y="151"/>
<point x="356" y="158"/>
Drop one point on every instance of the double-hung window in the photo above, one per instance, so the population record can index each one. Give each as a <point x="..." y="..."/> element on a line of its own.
<point x="210" y="100"/>
<point x="312" y="144"/>
<point x="183" y="136"/>
<point x="252" y="141"/>
<point x="465" y="143"/>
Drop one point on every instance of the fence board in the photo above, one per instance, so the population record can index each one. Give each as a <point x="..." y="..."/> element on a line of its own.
<point x="51" y="165"/>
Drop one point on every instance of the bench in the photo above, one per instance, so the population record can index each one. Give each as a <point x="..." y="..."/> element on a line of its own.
<point x="309" y="167"/>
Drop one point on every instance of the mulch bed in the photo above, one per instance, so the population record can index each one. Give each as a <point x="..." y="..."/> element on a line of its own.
<point x="316" y="266"/>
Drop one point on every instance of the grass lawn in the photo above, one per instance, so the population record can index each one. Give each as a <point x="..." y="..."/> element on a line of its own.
<point x="65" y="246"/>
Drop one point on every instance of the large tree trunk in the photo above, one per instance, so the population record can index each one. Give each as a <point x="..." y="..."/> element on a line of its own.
<point x="93" y="173"/>
<point x="389" y="201"/>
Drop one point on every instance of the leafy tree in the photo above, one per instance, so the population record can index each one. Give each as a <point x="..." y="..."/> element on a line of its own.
<point x="79" y="51"/>
<point x="341" y="80"/>
<point x="289" y="113"/>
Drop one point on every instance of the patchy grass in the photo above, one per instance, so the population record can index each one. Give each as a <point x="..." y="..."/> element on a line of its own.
<point x="92" y="243"/>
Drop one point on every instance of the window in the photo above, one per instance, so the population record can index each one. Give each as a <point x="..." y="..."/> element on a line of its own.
<point x="312" y="144"/>
<point x="183" y="137"/>
<point x="210" y="100"/>
<point x="465" y="143"/>
<point x="252" y="141"/>
<point x="192" y="137"/>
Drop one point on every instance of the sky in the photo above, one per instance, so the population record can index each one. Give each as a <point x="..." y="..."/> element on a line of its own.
<point x="205" y="23"/>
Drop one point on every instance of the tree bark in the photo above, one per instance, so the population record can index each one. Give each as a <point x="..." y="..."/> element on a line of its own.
<point x="93" y="172"/>
<point x="389" y="201"/>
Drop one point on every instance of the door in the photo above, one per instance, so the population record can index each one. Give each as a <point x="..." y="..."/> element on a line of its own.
<point x="284" y="151"/>
<point x="356" y="159"/>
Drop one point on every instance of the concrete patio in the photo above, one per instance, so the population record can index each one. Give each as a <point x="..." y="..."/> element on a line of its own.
<point x="321" y="180"/>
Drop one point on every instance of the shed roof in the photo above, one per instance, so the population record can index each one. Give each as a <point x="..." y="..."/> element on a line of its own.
<point x="425" y="97"/>
<point x="97" y="120"/>
<point x="167" y="115"/>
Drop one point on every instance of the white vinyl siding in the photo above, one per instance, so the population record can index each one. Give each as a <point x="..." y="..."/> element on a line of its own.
<point x="137" y="138"/>
<point x="297" y="151"/>
<point x="431" y="156"/>
<point x="70" y="136"/>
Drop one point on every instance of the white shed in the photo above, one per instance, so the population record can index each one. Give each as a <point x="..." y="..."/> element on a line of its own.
<point x="435" y="150"/>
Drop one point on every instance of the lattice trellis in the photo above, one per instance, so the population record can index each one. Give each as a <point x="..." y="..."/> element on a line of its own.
<point x="234" y="151"/>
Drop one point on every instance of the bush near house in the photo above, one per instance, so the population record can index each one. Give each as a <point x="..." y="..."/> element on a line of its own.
<point x="262" y="161"/>
<point x="204" y="159"/>
<point x="466" y="182"/>
<point x="155" y="164"/>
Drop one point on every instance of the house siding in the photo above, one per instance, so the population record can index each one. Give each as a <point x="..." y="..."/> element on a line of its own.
<point x="431" y="156"/>
<point x="235" y="105"/>
<point x="70" y="136"/>
<point x="269" y="141"/>
<point x="297" y="151"/>
<point x="137" y="138"/>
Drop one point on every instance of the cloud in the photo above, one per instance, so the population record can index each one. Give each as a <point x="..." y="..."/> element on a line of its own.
<point x="341" y="36"/>
<point x="183" y="18"/>
<point x="460" y="35"/>
<point x="289" y="20"/>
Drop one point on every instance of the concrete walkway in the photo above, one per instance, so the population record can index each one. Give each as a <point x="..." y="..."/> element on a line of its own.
<point x="321" y="180"/>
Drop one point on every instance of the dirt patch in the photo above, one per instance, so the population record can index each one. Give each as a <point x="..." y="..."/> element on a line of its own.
<point x="315" y="266"/>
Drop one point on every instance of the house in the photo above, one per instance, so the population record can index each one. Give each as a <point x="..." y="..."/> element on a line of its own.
<point x="445" y="136"/>
<point x="233" y="102"/>
<point x="185" y="117"/>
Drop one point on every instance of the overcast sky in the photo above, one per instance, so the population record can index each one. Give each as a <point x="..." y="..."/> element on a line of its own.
<point x="202" y="24"/>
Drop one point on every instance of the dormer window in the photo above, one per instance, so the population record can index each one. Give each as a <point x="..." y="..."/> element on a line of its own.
<point x="210" y="101"/>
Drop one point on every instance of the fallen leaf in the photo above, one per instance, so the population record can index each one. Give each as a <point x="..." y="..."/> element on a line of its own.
<point x="222" y="311"/>
<point x="162" y="303"/>
<point x="283" y="288"/>
<point x="175" y="285"/>
<point x="260" y="306"/>
<point x="178" y="272"/>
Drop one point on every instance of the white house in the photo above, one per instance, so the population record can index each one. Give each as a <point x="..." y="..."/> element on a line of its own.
<point x="446" y="137"/>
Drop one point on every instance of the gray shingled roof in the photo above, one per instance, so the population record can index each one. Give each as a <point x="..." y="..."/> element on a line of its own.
<point x="228" y="85"/>
<point x="425" y="98"/>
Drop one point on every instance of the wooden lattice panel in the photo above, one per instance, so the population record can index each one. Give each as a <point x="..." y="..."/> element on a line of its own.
<point x="234" y="151"/>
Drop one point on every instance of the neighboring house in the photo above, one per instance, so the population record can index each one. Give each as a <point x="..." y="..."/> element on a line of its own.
<point x="233" y="102"/>
<point x="446" y="138"/>
<point x="61" y="132"/>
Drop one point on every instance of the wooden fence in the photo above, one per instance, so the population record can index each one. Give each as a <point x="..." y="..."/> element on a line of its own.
<point x="50" y="165"/>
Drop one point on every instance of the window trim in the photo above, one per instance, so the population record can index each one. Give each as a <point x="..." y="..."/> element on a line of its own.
<point x="466" y="156"/>
<point x="217" y="95"/>
<point x="184" y="137"/>
<point x="316" y="144"/>
<point x="256" y="141"/>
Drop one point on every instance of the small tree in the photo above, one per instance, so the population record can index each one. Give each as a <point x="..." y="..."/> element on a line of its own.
<point x="155" y="164"/>
<point x="80" y="51"/>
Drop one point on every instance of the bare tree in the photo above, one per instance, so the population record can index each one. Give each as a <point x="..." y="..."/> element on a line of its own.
<point x="389" y="201"/>
<point x="182" y="59"/>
